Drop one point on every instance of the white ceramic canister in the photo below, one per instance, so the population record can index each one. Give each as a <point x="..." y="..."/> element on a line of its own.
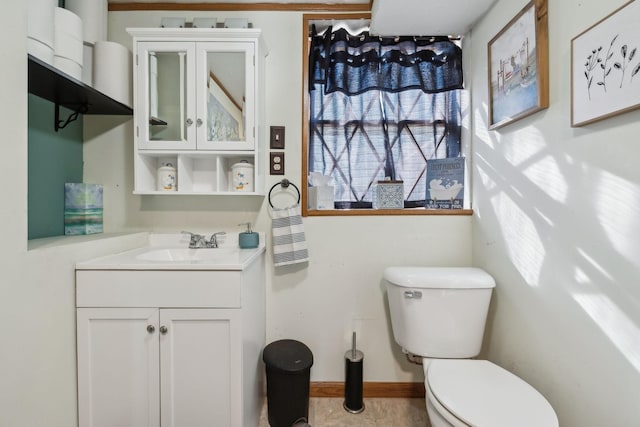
<point x="167" y="178"/>
<point x="242" y="174"/>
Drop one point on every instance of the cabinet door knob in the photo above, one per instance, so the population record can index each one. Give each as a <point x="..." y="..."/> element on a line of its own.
<point x="151" y="329"/>
<point x="199" y="122"/>
<point x="163" y="330"/>
<point x="189" y="122"/>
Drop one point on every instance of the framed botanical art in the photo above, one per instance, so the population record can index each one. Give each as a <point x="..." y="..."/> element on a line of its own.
<point x="519" y="66"/>
<point x="605" y="64"/>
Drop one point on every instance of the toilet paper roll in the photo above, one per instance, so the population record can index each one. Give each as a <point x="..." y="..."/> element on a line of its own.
<point x="69" y="47"/>
<point x="112" y="70"/>
<point x="94" y="15"/>
<point x="40" y="20"/>
<point x="68" y="66"/>
<point x="40" y="50"/>
<point x="67" y="22"/>
<point x="67" y="40"/>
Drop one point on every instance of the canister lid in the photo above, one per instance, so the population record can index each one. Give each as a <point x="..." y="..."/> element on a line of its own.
<point x="288" y="356"/>
<point x="242" y="164"/>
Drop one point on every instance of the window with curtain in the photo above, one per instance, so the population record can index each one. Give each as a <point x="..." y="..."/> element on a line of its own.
<point x="380" y="108"/>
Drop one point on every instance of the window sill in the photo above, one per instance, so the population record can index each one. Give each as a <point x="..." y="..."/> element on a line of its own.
<point x="373" y="212"/>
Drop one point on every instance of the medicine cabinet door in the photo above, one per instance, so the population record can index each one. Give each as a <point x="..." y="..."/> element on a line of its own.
<point x="226" y="95"/>
<point x="166" y="96"/>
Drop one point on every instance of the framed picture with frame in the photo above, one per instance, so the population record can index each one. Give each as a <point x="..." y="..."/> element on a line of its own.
<point x="605" y="64"/>
<point x="518" y="58"/>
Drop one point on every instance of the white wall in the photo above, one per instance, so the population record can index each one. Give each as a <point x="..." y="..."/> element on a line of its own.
<point x="340" y="289"/>
<point x="557" y="223"/>
<point x="13" y="292"/>
<point x="37" y="289"/>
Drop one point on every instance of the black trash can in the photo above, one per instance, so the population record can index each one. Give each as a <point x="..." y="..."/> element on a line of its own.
<point x="288" y="366"/>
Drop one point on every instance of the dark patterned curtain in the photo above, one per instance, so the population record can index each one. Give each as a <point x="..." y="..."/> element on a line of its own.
<point x="354" y="64"/>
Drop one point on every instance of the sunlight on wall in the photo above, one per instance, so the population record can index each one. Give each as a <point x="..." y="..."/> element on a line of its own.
<point x="580" y="276"/>
<point x="526" y="152"/>
<point x="544" y="217"/>
<point x="525" y="145"/>
<point x="482" y="127"/>
<point x="595" y="264"/>
<point x="546" y="174"/>
<point x="617" y="203"/>
<point x="525" y="248"/>
<point x="488" y="183"/>
<point x="622" y="332"/>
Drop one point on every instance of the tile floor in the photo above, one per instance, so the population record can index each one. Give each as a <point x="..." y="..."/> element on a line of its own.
<point x="396" y="412"/>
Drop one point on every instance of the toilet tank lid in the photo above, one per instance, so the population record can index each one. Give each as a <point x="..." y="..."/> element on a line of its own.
<point x="439" y="277"/>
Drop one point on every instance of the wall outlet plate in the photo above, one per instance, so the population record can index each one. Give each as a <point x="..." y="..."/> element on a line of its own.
<point x="276" y="163"/>
<point x="276" y="138"/>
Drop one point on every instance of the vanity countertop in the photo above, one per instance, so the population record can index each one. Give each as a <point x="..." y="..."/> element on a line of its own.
<point x="171" y="252"/>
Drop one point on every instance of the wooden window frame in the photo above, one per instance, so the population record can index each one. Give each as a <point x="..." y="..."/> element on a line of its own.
<point x="306" y="19"/>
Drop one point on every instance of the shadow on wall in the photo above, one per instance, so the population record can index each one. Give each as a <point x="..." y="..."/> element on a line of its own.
<point x="567" y="225"/>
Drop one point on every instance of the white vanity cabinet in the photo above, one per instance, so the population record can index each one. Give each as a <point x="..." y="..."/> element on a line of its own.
<point x="170" y="348"/>
<point x="198" y="105"/>
<point x="118" y="367"/>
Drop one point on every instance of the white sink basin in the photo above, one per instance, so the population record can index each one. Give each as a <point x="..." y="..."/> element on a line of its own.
<point x="185" y="254"/>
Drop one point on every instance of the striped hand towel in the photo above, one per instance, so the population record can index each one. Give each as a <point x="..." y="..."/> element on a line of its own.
<point x="289" y="242"/>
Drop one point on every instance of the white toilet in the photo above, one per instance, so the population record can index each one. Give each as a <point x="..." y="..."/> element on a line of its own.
<point x="438" y="315"/>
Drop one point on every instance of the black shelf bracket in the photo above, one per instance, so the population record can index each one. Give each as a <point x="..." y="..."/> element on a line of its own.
<point x="61" y="124"/>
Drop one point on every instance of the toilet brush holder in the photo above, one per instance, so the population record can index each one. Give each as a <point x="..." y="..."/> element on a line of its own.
<point x="353" y="360"/>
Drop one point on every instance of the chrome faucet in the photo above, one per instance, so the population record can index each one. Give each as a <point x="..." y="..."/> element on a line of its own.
<point x="198" y="241"/>
<point x="213" y="241"/>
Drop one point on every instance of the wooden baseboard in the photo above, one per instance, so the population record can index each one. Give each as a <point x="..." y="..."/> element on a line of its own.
<point x="369" y="389"/>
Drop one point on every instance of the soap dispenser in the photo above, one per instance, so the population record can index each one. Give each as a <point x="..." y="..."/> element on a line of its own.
<point x="248" y="239"/>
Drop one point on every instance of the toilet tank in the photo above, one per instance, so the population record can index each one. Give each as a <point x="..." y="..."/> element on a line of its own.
<point x="439" y="312"/>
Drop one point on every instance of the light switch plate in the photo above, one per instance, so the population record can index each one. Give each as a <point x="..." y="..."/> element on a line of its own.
<point x="277" y="137"/>
<point x="276" y="163"/>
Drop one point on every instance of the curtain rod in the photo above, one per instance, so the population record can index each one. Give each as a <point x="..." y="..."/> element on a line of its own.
<point x="381" y="37"/>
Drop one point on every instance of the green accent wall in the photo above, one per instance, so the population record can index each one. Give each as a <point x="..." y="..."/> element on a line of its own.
<point x="54" y="158"/>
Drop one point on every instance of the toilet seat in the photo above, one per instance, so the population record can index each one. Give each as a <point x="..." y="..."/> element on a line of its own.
<point x="482" y="394"/>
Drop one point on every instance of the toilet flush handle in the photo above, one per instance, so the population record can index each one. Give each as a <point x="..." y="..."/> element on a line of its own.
<point x="413" y="294"/>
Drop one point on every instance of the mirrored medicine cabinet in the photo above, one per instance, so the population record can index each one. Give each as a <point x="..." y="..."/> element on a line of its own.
<point x="197" y="108"/>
